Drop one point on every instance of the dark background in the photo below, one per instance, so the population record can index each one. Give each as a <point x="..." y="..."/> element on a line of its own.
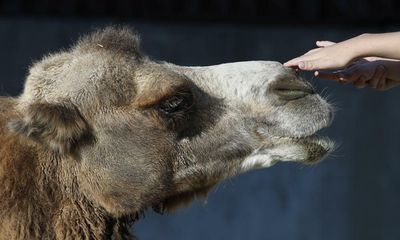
<point x="354" y="194"/>
<point x="361" y="12"/>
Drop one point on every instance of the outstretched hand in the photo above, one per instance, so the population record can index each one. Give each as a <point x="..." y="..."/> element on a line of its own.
<point x="328" y="55"/>
<point x="364" y="72"/>
<point x="369" y="71"/>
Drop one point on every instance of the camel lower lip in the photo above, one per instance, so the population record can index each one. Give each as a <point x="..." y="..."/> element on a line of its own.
<point x="314" y="138"/>
<point x="324" y="142"/>
<point x="318" y="147"/>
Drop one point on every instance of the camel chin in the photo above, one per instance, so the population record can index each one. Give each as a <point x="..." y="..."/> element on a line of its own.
<point x="306" y="150"/>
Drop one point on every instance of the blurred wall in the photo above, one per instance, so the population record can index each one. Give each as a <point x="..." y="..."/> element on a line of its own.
<point x="359" y="12"/>
<point x="354" y="194"/>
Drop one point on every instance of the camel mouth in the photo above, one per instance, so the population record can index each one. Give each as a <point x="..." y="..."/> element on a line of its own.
<point x="314" y="148"/>
<point x="317" y="147"/>
<point x="306" y="150"/>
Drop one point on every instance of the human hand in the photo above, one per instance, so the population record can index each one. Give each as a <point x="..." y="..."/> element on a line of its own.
<point x="369" y="71"/>
<point x="328" y="55"/>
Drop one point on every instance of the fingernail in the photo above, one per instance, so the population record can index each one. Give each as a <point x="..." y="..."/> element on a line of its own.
<point x="301" y="65"/>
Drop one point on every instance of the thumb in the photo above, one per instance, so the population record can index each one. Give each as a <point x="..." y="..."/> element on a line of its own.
<point x="324" y="43"/>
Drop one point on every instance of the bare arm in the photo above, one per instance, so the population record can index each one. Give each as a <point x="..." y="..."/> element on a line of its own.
<point x="385" y="45"/>
<point x="340" y="55"/>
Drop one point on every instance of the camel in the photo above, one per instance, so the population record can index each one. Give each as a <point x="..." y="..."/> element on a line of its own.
<point x="102" y="133"/>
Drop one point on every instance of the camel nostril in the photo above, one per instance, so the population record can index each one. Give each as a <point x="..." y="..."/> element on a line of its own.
<point x="289" y="89"/>
<point x="293" y="94"/>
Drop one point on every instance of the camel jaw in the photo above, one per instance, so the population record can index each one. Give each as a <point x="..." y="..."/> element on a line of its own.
<point x="306" y="150"/>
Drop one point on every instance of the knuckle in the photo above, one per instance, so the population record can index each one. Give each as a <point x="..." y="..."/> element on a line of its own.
<point x="356" y="71"/>
<point x="346" y="74"/>
<point x="381" y="70"/>
<point x="363" y="78"/>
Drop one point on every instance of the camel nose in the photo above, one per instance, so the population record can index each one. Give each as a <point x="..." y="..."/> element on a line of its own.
<point x="291" y="89"/>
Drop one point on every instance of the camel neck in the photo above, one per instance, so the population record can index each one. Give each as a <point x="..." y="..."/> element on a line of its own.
<point x="40" y="196"/>
<point x="35" y="204"/>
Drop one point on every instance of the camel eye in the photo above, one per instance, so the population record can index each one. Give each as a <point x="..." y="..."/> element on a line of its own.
<point x="178" y="103"/>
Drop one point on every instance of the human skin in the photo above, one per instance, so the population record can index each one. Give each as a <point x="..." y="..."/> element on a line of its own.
<point x="353" y="59"/>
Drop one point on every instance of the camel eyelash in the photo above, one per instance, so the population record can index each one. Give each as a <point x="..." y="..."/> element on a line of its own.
<point x="176" y="104"/>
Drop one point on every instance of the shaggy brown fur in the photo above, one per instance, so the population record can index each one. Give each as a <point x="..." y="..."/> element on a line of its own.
<point x="39" y="194"/>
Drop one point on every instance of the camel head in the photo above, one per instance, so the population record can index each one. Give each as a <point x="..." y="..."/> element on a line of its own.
<point x="137" y="133"/>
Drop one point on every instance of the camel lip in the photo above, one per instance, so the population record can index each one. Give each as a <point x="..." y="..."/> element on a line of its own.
<point x="318" y="147"/>
<point x="323" y="141"/>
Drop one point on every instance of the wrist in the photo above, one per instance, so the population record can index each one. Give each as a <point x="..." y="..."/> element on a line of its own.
<point x="358" y="47"/>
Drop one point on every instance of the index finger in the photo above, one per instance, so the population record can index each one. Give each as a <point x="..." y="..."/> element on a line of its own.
<point x="292" y="63"/>
<point x="295" y="61"/>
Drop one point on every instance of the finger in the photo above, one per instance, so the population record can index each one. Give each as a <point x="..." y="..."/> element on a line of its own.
<point x="377" y="77"/>
<point x="383" y="79"/>
<point x="383" y="83"/>
<point x="309" y="65"/>
<point x="302" y="63"/>
<point x="351" y="74"/>
<point x="359" y="83"/>
<point x="293" y="62"/>
<point x="388" y="84"/>
<point x="373" y="83"/>
<point x="328" y="75"/>
<point x="342" y="76"/>
<point x="324" y="43"/>
<point x="342" y="81"/>
<point x="315" y="63"/>
<point x="346" y="75"/>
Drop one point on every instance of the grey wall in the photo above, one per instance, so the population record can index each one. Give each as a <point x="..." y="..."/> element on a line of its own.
<point x="354" y="194"/>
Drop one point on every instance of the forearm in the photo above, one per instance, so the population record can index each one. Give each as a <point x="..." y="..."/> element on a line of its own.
<point x="386" y="45"/>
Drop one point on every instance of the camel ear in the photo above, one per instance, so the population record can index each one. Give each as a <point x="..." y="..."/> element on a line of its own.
<point x="60" y="127"/>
